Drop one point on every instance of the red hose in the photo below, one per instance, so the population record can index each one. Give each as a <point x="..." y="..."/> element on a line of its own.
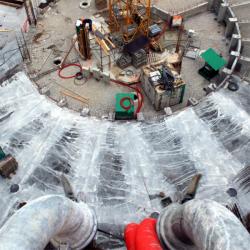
<point x="131" y="102"/>
<point x="138" y="92"/>
<point x="66" y="66"/>
<point x="130" y="236"/>
<point x="146" y="236"/>
<point x="142" y="236"/>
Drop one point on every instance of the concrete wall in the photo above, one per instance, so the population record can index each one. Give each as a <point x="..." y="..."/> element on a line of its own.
<point x="195" y="10"/>
<point x="226" y="15"/>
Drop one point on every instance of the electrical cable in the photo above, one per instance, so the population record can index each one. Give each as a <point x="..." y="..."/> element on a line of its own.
<point x="67" y="66"/>
<point x="138" y="93"/>
<point x="123" y="100"/>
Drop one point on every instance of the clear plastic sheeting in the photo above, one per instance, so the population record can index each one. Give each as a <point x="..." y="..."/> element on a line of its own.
<point x="122" y="170"/>
<point x="227" y="115"/>
<point x="229" y="122"/>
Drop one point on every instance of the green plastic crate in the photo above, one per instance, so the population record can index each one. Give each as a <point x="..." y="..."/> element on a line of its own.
<point x="120" y="112"/>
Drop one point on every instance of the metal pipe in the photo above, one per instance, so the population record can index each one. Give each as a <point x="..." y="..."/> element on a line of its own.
<point x="201" y="225"/>
<point x="49" y="217"/>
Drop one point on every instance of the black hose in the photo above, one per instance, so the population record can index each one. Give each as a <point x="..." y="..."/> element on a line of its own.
<point x="233" y="86"/>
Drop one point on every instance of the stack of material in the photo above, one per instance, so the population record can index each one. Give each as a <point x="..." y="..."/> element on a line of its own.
<point x="139" y="58"/>
<point x="124" y="61"/>
<point x="117" y="40"/>
<point x="164" y="89"/>
<point x="8" y="166"/>
<point x="154" y="30"/>
<point x="100" y="4"/>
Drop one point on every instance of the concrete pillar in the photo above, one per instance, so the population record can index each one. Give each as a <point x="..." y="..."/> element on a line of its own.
<point x="233" y="55"/>
<point x="222" y="12"/>
<point x="106" y="77"/>
<point x="234" y="42"/>
<point x="230" y="26"/>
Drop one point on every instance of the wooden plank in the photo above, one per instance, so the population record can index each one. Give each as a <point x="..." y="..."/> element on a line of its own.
<point x="12" y="3"/>
<point x="74" y="96"/>
<point x="5" y="30"/>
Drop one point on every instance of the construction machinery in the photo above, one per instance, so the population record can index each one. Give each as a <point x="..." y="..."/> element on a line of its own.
<point x="125" y="106"/>
<point x="83" y="37"/>
<point x="129" y="17"/>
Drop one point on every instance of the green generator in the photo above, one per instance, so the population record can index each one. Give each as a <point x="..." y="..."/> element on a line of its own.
<point x="124" y="107"/>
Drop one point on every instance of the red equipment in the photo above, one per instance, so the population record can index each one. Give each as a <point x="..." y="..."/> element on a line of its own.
<point x="142" y="236"/>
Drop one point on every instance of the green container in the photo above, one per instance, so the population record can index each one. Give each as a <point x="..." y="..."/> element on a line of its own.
<point x="124" y="107"/>
<point x="2" y="154"/>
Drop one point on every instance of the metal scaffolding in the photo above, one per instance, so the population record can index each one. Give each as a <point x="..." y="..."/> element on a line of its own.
<point x="129" y="17"/>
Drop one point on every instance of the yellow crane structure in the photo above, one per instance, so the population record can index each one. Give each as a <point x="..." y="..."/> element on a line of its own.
<point x="130" y="17"/>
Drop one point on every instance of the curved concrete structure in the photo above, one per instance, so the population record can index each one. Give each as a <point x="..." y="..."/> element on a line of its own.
<point x="201" y="225"/>
<point x="120" y="168"/>
<point x="51" y="216"/>
<point x="235" y="15"/>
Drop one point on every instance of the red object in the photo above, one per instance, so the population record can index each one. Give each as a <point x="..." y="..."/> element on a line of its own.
<point x="138" y="93"/>
<point x="146" y="237"/>
<point x="130" y="235"/>
<point x="142" y="236"/>
<point x="25" y="26"/>
<point x="124" y="99"/>
<point x="67" y="66"/>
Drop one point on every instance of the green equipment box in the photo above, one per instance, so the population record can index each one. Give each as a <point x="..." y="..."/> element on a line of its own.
<point x="124" y="107"/>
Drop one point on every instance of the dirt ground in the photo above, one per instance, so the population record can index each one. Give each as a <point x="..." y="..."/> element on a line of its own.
<point x="53" y="37"/>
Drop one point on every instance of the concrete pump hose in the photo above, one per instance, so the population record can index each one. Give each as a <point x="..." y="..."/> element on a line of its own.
<point x="201" y="225"/>
<point x="49" y="217"/>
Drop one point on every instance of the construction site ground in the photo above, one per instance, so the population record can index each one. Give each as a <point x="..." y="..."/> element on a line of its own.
<point x="52" y="38"/>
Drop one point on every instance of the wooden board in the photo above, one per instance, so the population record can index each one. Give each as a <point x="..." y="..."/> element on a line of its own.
<point x="12" y="3"/>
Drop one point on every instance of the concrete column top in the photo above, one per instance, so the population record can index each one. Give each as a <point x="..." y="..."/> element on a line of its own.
<point x="235" y="53"/>
<point x="225" y="4"/>
<point x="236" y="36"/>
<point x="233" y="19"/>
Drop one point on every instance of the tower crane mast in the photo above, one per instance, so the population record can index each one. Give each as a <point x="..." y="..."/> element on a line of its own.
<point x="130" y="17"/>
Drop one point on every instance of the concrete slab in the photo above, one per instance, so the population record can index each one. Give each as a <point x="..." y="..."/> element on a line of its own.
<point x="210" y="35"/>
<point x="242" y="11"/>
<point x="174" y="7"/>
